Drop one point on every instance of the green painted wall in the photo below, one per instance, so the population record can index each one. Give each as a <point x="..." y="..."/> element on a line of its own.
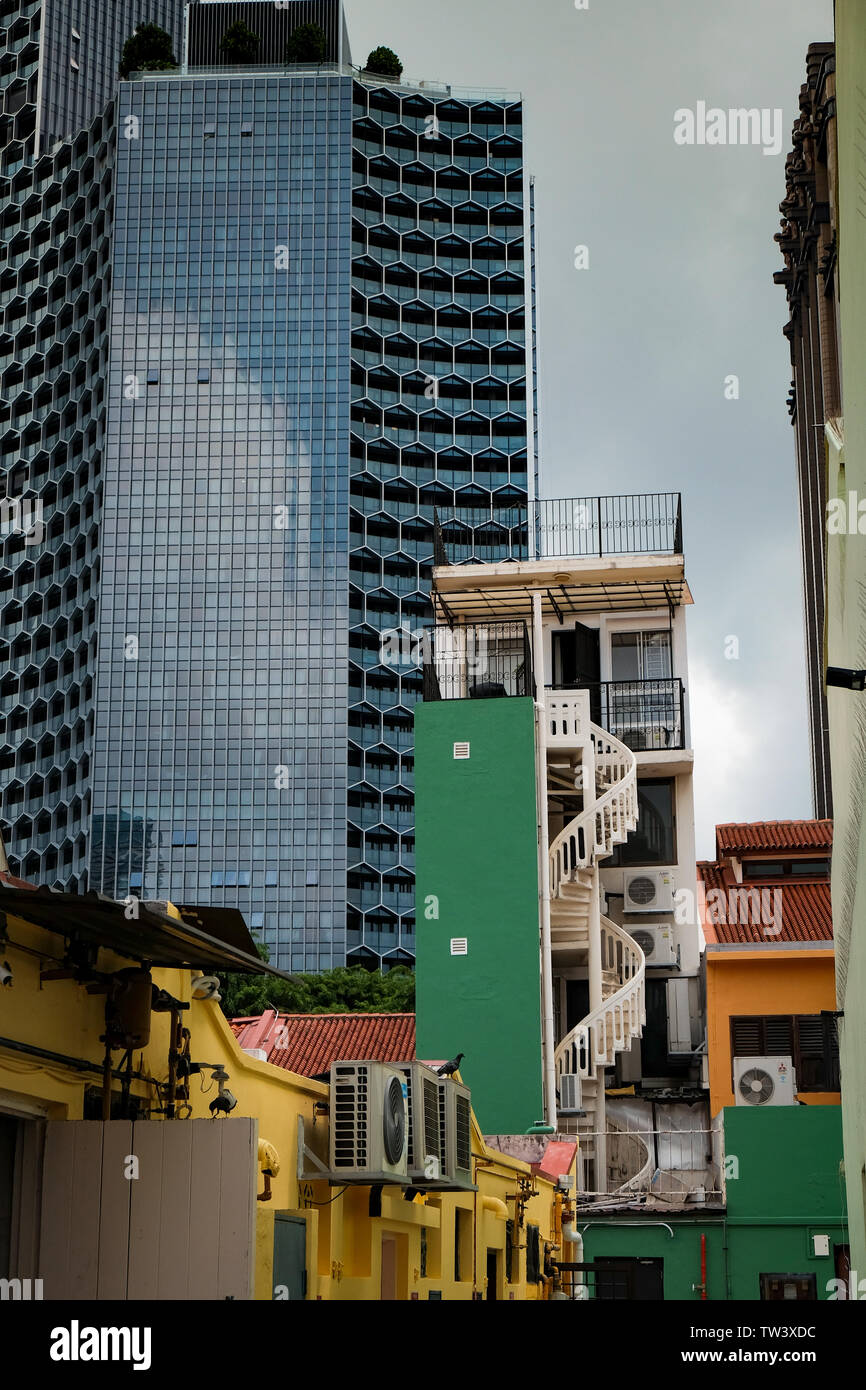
<point x="476" y="863"/>
<point x="846" y="618"/>
<point x="787" y="1158"/>
<point x="681" y="1252"/>
<point x="787" y="1189"/>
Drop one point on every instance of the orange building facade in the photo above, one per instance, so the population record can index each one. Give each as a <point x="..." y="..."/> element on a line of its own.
<point x="764" y="906"/>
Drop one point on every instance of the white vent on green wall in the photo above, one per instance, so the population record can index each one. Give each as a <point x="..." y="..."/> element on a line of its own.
<point x="459" y="945"/>
<point x="461" y="750"/>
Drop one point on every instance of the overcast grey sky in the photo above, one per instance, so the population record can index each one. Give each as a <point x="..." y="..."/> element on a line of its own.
<point x="634" y="351"/>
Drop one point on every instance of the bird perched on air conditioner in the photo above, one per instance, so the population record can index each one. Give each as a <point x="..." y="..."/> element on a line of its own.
<point x="449" y="1068"/>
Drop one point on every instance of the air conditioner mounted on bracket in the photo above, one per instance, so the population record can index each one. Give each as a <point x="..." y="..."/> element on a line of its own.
<point x="655" y="940"/>
<point x="648" y="890"/>
<point x="764" y="1081"/>
<point x="369" y="1131"/>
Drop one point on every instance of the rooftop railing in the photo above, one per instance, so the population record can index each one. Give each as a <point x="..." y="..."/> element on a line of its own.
<point x="640" y="524"/>
<point x="562" y="528"/>
<point x="369" y="79"/>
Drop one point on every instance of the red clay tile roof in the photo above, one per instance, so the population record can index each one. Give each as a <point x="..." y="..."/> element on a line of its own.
<point x="792" y="836"/>
<point x="309" y="1043"/>
<point x="751" y="912"/>
<point x="558" y="1159"/>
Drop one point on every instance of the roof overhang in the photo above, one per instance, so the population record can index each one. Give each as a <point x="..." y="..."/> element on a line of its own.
<point x="205" y="938"/>
<point x="503" y="591"/>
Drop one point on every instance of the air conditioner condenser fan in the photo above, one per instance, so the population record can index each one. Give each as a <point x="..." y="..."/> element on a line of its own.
<point x="394" y="1121"/>
<point x="756" y="1086"/>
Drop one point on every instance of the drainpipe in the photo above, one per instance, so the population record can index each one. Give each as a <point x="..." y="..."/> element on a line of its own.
<point x="596" y="999"/>
<point x="548" y="1045"/>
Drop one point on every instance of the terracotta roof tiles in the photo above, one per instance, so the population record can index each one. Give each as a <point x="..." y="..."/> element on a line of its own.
<point x="763" y="914"/>
<point x="308" y="1043"/>
<point x="792" y="836"/>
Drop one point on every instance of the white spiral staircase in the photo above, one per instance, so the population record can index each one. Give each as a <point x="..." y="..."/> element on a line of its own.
<point x="606" y="770"/>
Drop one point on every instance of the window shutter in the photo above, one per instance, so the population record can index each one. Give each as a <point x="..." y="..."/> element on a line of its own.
<point x="779" y="1036"/>
<point x="747" y="1037"/>
<point x="533" y="1255"/>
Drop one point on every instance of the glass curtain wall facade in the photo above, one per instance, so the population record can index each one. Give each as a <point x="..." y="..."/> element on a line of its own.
<point x="57" y="73"/>
<point x="220" y="746"/>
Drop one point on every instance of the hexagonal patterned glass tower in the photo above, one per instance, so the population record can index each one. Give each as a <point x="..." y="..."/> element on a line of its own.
<point x="439" y="428"/>
<point x="58" y="67"/>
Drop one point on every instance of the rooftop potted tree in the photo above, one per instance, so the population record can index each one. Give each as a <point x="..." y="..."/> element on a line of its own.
<point x="383" y="62"/>
<point x="239" y="45"/>
<point x="147" y="50"/>
<point x="307" y="44"/>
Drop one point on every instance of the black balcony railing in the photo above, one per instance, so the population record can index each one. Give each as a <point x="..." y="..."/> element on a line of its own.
<point x="644" y="715"/>
<point x="643" y="524"/>
<point x="577" y="527"/>
<point x="478" y="661"/>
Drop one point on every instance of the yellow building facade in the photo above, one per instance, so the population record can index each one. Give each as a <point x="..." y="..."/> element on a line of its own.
<point x="192" y="1186"/>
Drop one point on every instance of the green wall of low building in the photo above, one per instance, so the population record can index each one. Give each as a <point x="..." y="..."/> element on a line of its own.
<point x="476" y="865"/>
<point x="784" y="1187"/>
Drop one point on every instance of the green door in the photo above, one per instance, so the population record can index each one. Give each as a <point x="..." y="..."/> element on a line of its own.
<point x="290" y="1256"/>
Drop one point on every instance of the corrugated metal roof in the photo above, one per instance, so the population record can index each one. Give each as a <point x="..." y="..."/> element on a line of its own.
<point x="794" y="836"/>
<point x="309" y="1043"/>
<point x="763" y="914"/>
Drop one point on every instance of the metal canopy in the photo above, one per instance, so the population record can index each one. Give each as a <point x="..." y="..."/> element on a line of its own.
<point x="216" y="938"/>
<point x="471" y="603"/>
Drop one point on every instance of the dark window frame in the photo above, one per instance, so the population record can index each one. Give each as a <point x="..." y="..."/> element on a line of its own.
<point x="621" y="858"/>
<point x="801" y="1045"/>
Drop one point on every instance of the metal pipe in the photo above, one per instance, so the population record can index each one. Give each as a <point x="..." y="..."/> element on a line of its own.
<point x="639" y="1224"/>
<point x="77" y="1063"/>
<point x="703" y="1266"/>
<point x="548" y="1046"/>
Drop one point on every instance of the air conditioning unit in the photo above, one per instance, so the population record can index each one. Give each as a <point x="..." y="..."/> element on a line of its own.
<point x="455" y="1127"/>
<point x="764" y="1081"/>
<point x="656" y="942"/>
<point x="649" y="890"/>
<point x="369" y="1131"/>
<point x="569" y="1093"/>
<point x="426" y="1154"/>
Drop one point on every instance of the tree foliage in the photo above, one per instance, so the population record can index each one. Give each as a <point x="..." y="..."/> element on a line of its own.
<point x="239" y="44"/>
<point x="383" y="62"/>
<point x="307" y="44"/>
<point x="346" y="990"/>
<point x="147" y="50"/>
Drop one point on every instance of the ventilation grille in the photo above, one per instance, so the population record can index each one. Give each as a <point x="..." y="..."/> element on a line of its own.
<point x="463" y="1135"/>
<point x="461" y="750"/>
<point x="432" y="1132"/>
<point x="350" y="1118"/>
<point x="443" y="1121"/>
<point x="459" y="945"/>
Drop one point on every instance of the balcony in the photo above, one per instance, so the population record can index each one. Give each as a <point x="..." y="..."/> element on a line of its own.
<point x="646" y="715"/>
<point x="478" y="661"/>
<point x="585" y="528"/>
